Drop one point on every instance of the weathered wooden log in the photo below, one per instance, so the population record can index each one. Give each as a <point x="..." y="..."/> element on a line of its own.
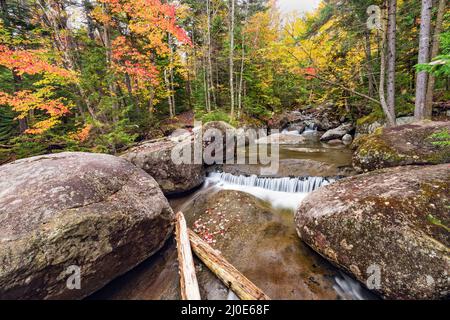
<point x="228" y="274"/>
<point x="188" y="278"/>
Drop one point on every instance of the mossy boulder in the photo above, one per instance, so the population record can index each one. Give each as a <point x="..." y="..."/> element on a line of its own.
<point x="393" y="221"/>
<point x="60" y="212"/>
<point x="410" y="144"/>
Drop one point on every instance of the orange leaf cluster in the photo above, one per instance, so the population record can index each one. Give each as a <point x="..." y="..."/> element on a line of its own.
<point x="83" y="134"/>
<point x="129" y="60"/>
<point x="149" y="16"/>
<point x="24" y="101"/>
<point x="149" y="22"/>
<point x="309" y="73"/>
<point x="29" y="62"/>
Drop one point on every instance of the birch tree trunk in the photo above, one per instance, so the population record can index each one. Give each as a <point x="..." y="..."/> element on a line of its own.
<point x="424" y="57"/>
<point x="390" y="117"/>
<point x="231" y="64"/>
<point x="391" y="57"/>
<point x="434" y="53"/>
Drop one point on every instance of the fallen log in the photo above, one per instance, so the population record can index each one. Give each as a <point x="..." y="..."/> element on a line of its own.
<point x="228" y="274"/>
<point x="188" y="278"/>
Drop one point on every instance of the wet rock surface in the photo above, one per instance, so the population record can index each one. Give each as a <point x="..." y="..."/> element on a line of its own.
<point x="337" y="133"/>
<point x="394" y="219"/>
<point x="403" y="145"/>
<point x="260" y="243"/>
<point x="97" y="212"/>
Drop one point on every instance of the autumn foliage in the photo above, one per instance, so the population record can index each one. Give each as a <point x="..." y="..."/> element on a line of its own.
<point x="22" y="62"/>
<point x="149" y="23"/>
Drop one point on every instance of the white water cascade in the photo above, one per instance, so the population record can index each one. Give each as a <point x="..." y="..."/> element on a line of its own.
<point x="292" y="185"/>
<point x="284" y="193"/>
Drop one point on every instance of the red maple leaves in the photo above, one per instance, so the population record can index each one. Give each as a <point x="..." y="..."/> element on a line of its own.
<point x="29" y="62"/>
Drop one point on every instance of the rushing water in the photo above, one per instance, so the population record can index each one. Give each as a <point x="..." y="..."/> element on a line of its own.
<point x="281" y="193"/>
<point x="289" y="185"/>
<point x="278" y="260"/>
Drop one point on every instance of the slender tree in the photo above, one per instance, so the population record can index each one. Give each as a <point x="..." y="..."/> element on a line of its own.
<point x="210" y="68"/>
<point x="434" y="53"/>
<point x="390" y="115"/>
<point x="424" y="57"/>
<point x="391" y="58"/>
<point x="241" y="76"/>
<point x="231" y="58"/>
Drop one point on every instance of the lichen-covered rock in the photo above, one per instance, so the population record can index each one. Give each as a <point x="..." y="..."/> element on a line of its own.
<point x="403" y="145"/>
<point x="394" y="221"/>
<point x="95" y="212"/>
<point x="155" y="158"/>
<point x="337" y="133"/>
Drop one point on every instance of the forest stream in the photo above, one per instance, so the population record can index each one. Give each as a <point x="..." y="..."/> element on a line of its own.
<point x="257" y="213"/>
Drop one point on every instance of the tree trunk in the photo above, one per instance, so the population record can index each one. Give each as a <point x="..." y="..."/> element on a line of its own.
<point x="210" y="68"/>
<point x="434" y="53"/>
<point x="391" y="56"/>
<point x="108" y="47"/>
<point x="232" y="5"/>
<point x="369" y="67"/>
<point x="206" y="86"/>
<point x="169" y="95"/>
<point x="389" y="115"/>
<point x="228" y="274"/>
<point x="171" y="76"/>
<point x="186" y="267"/>
<point x="241" y="79"/>
<point x="424" y="57"/>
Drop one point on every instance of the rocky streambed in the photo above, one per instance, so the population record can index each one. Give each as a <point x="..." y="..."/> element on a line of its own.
<point x="314" y="229"/>
<point x="250" y="221"/>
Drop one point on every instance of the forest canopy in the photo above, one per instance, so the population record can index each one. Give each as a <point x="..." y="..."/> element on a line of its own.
<point x="101" y="75"/>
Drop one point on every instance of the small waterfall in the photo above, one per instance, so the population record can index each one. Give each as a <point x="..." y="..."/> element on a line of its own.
<point x="289" y="185"/>
<point x="311" y="127"/>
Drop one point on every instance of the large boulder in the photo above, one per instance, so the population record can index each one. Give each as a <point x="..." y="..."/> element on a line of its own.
<point x="337" y="133"/>
<point x="227" y="145"/>
<point x="155" y="157"/>
<point x="282" y="139"/>
<point x="66" y="211"/>
<point x="402" y="145"/>
<point x="393" y="223"/>
<point x="256" y="240"/>
<point x="368" y="125"/>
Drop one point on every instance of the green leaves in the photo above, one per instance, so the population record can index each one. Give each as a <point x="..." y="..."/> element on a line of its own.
<point x="8" y="126"/>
